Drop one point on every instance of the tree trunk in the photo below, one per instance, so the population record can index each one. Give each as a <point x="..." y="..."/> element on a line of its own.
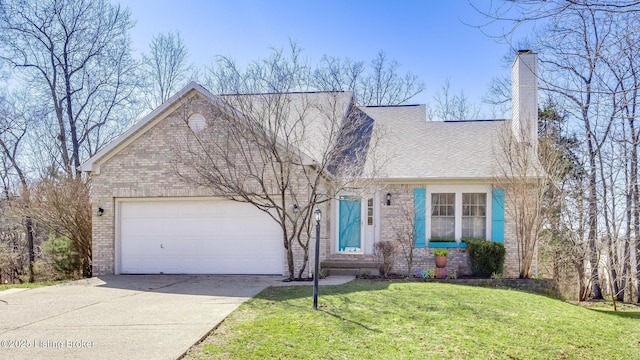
<point x="593" y="219"/>
<point x="32" y="258"/>
<point x="638" y="268"/>
<point x="613" y="273"/>
<point x="75" y="144"/>
<point x="634" y="203"/>
<point x="583" y="291"/>
<point x="288" y="248"/>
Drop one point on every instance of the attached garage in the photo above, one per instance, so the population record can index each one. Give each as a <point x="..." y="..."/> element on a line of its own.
<point x="204" y="236"/>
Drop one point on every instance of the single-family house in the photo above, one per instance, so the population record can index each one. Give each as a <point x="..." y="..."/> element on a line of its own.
<point x="439" y="178"/>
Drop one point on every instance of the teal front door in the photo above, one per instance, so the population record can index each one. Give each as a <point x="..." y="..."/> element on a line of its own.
<point x="349" y="235"/>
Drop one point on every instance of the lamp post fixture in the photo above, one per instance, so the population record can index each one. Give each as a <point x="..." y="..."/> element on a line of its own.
<point x="316" y="272"/>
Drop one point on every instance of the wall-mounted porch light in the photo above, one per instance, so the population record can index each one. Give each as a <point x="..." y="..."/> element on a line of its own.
<point x="295" y="208"/>
<point x="100" y="211"/>
<point x="388" y="199"/>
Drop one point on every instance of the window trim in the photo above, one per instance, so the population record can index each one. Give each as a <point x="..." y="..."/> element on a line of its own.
<point x="458" y="190"/>
<point x="197" y="122"/>
<point x="371" y="211"/>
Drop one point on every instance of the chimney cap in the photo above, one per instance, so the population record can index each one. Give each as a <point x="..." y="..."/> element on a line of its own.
<point x="520" y="52"/>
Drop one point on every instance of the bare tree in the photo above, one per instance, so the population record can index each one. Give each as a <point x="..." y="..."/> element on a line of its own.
<point x="384" y="86"/>
<point x="283" y="152"/>
<point x="166" y="68"/>
<point x="381" y="83"/>
<point x="405" y="235"/>
<point x="61" y="202"/>
<point x="386" y="253"/>
<point x="518" y="12"/>
<point x="526" y="180"/>
<point x="587" y="64"/>
<point x="564" y="244"/>
<point x="74" y="55"/>
<point x="13" y="128"/>
<point x="621" y="61"/>
<point x="337" y="74"/>
<point x="450" y="106"/>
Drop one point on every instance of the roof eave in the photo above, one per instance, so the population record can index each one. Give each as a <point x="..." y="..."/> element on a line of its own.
<point x="401" y="179"/>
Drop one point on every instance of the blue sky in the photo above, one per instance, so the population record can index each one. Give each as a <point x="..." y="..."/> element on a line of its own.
<point x="427" y="38"/>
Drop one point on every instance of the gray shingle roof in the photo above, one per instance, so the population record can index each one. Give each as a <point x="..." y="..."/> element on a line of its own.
<point x="418" y="149"/>
<point x="410" y="147"/>
<point x="308" y="121"/>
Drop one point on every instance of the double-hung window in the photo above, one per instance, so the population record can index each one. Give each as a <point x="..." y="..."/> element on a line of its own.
<point x="457" y="212"/>
<point x="443" y="215"/>
<point x="474" y="215"/>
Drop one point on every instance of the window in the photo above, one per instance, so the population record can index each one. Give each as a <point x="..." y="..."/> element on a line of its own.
<point x="197" y="122"/>
<point x="457" y="211"/>
<point x="370" y="211"/>
<point x="443" y="217"/>
<point x="474" y="215"/>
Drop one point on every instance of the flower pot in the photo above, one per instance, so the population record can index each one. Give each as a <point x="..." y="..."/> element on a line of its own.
<point x="441" y="261"/>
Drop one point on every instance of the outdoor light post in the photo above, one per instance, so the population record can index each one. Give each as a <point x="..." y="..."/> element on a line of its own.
<point x="318" y="215"/>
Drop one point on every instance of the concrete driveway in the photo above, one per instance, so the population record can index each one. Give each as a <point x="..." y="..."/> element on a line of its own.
<point x="120" y="317"/>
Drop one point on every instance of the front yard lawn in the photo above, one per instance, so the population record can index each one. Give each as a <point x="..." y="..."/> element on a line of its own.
<point x="398" y="320"/>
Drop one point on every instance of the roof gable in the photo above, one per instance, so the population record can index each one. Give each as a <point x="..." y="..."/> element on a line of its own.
<point x="308" y="122"/>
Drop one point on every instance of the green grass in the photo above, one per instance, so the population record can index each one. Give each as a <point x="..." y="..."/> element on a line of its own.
<point x="397" y="320"/>
<point x="31" y="285"/>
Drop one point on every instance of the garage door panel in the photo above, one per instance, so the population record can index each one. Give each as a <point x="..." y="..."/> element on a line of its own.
<point x="197" y="236"/>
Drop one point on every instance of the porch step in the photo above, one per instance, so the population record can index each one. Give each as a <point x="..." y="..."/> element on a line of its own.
<point x="337" y="271"/>
<point x="350" y="266"/>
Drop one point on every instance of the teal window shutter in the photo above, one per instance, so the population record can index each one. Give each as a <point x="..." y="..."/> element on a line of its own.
<point x="497" y="215"/>
<point x="419" y="217"/>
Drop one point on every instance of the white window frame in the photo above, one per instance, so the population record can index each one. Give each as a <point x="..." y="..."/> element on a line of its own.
<point x="458" y="190"/>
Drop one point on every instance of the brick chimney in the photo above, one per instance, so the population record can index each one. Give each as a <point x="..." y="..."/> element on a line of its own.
<point x="524" y="97"/>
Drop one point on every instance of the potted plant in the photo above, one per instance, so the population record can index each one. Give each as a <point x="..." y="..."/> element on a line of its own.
<point x="441" y="257"/>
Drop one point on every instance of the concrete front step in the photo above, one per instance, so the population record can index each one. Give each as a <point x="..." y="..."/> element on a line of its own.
<point x="350" y="266"/>
<point x="338" y="271"/>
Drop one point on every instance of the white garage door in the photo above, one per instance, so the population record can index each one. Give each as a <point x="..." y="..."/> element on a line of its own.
<point x="198" y="237"/>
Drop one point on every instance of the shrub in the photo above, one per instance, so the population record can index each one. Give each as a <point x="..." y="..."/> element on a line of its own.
<point x="386" y="251"/>
<point x="452" y="275"/>
<point x="66" y="260"/>
<point x="441" y="273"/>
<point x="425" y="273"/>
<point x="485" y="257"/>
